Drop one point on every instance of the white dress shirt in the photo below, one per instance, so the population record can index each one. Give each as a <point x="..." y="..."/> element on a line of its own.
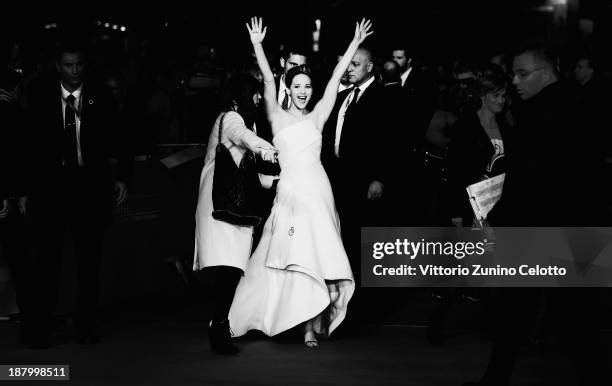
<point x="282" y="91"/>
<point x="344" y="106"/>
<point x="343" y="87"/>
<point x="404" y="76"/>
<point x="77" y="104"/>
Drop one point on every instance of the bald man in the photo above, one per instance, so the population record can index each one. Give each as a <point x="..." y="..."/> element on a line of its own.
<point x="391" y="74"/>
<point x="354" y="140"/>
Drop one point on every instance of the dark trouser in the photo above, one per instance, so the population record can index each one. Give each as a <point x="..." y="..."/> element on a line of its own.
<point x="77" y="207"/>
<point x="14" y="239"/>
<point x="574" y="315"/>
<point x="222" y="282"/>
<point x="354" y="210"/>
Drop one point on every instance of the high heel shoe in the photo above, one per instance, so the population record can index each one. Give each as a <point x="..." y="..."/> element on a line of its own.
<point x="220" y="338"/>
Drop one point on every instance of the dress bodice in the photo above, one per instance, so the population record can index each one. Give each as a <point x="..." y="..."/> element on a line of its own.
<point x="298" y="144"/>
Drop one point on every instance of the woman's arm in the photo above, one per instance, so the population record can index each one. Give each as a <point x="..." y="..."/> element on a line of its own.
<point x="236" y="131"/>
<point x="258" y="32"/>
<point x="326" y="104"/>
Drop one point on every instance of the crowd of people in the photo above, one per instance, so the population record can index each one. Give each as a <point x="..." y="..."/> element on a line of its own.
<point x="389" y="140"/>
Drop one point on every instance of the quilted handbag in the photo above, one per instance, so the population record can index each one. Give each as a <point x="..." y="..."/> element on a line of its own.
<point x="237" y="191"/>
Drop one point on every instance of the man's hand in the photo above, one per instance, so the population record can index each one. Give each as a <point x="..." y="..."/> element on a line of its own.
<point x="120" y="192"/>
<point x="375" y="190"/>
<point x="4" y="209"/>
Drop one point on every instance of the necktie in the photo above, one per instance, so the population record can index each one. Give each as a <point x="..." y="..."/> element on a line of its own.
<point x="347" y="113"/>
<point x="70" y="138"/>
<point x="353" y="101"/>
<point x="285" y="104"/>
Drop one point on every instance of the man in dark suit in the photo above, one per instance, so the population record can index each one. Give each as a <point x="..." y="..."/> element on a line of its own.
<point x="546" y="187"/>
<point x="73" y="123"/>
<point x="419" y="93"/>
<point x="353" y="153"/>
<point x="416" y="105"/>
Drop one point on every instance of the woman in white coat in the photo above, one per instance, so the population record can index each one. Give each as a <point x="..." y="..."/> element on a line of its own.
<point x="223" y="249"/>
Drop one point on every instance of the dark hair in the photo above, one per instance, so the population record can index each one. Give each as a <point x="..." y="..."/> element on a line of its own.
<point x="491" y="78"/>
<point x="240" y="91"/>
<point x="295" y="71"/>
<point x="464" y="96"/>
<point x="295" y="50"/>
<point x="70" y="45"/>
<point x="400" y="47"/>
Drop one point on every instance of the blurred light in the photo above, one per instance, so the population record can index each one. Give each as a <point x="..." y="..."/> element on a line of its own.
<point x="166" y="24"/>
<point x="123" y="29"/>
<point x="98" y="22"/>
<point x="50" y="25"/>
<point x="115" y="26"/>
<point x="318" y="24"/>
<point x="107" y="25"/>
<point x="557" y="2"/>
<point x="545" y="8"/>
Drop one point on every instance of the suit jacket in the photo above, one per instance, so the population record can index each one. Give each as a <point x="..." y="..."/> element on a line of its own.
<point x="363" y="142"/>
<point x="98" y="140"/>
<point x="553" y="176"/>
<point x="419" y="102"/>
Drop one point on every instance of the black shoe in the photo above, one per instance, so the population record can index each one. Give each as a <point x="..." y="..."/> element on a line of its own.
<point x="220" y="338"/>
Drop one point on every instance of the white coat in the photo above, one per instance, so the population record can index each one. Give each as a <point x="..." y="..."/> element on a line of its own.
<point x="218" y="242"/>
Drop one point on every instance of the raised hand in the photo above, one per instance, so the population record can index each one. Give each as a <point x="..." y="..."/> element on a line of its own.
<point x="362" y="30"/>
<point x="256" y="30"/>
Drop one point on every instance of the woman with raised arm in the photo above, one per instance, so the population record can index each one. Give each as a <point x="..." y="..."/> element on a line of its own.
<point x="299" y="274"/>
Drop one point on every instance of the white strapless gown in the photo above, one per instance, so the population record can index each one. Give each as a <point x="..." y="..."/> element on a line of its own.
<point x="299" y="269"/>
